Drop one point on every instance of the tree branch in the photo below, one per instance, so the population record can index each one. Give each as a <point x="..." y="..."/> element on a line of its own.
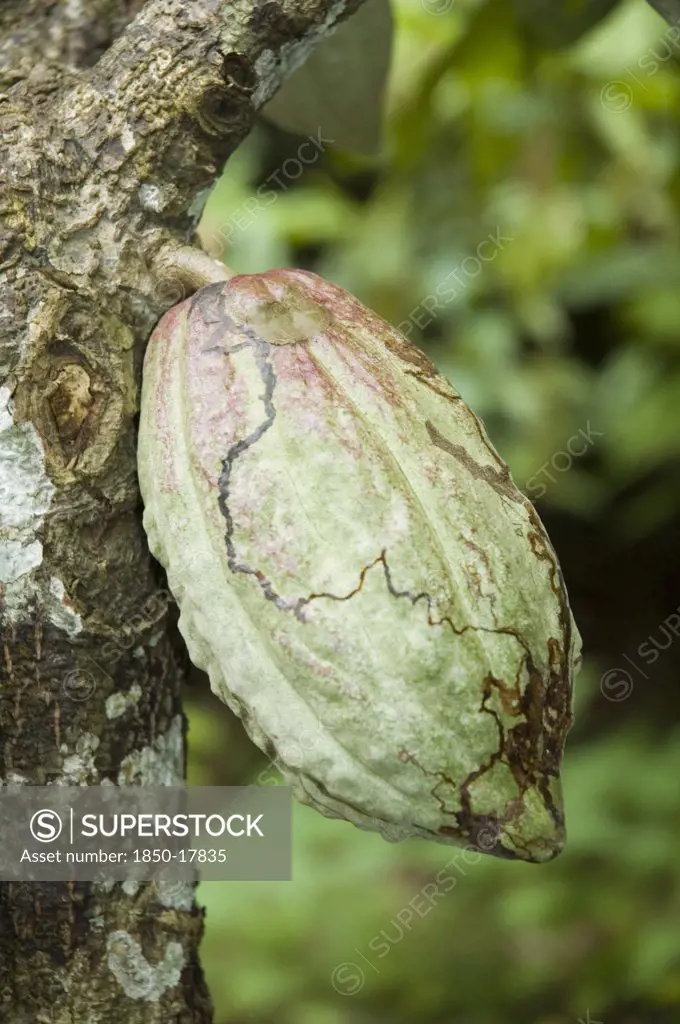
<point x="39" y="35"/>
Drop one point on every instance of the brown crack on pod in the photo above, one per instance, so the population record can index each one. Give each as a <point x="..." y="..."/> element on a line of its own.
<point x="294" y="393"/>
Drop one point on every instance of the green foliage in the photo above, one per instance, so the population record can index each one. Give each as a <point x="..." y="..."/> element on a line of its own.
<point x="561" y="148"/>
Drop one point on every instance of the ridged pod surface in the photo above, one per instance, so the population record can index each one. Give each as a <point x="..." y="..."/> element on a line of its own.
<point x="355" y="569"/>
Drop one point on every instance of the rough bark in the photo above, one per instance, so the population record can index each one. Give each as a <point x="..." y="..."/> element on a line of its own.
<point x="37" y="34"/>
<point x="104" y="164"/>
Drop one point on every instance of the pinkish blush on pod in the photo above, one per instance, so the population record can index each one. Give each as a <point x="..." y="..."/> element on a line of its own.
<point x="355" y="569"/>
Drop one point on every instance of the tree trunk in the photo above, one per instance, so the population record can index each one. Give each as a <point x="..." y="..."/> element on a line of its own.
<point x="111" y="137"/>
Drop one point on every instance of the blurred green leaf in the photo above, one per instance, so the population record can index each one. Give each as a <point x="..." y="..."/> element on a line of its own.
<point x="560" y="22"/>
<point x="339" y="89"/>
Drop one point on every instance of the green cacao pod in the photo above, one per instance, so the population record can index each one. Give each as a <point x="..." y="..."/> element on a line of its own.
<point x="354" y="567"/>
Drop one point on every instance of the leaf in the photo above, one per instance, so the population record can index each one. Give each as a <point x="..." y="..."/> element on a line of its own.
<point x="668" y="9"/>
<point x="557" y="23"/>
<point x="339" y="90"/>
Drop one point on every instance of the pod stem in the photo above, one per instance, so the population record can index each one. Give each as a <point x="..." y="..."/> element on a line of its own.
<point x="193" y="267"/>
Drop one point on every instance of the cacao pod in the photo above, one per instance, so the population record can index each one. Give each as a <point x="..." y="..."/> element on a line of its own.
<point x="355" y="569"/>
